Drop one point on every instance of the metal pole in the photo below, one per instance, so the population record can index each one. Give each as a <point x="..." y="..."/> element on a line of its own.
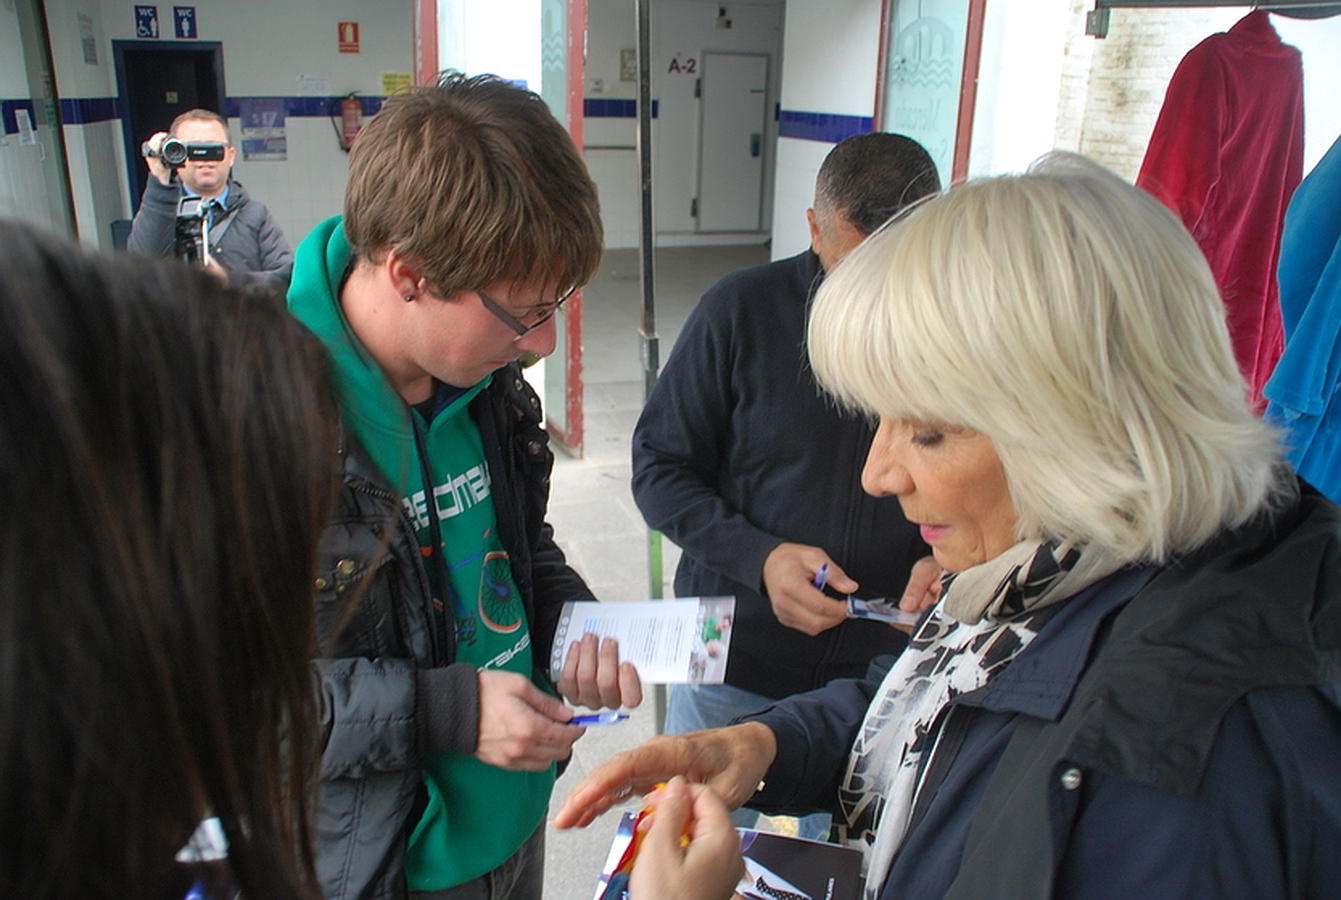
<point x="647" y="330"/>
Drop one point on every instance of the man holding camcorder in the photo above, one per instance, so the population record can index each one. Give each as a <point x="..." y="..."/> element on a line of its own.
<point x="194" y="211"/>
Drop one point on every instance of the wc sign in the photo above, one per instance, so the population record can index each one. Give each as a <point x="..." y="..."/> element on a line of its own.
<point x="184" y="17"/>
<point x="146" y="21"/>
<point x="349" y="37"/>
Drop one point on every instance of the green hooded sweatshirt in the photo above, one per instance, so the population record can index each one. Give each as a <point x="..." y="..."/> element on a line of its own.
<point x="477" y="815"/>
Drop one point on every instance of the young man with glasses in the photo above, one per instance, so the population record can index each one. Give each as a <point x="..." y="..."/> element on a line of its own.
<point x="469" y="220"/>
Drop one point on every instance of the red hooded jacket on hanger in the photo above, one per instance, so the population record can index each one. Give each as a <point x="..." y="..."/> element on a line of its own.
<point x="1226" y="155"/>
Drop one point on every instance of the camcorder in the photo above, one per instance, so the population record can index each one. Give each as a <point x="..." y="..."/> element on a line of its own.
<point x="192" y="239"/>
<point x="177" y="153"/>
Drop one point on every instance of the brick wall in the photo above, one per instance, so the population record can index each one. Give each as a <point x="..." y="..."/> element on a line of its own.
<point x="1112" y="88"/>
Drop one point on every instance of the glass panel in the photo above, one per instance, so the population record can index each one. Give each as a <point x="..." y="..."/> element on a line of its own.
<point x="924" y="68"/>
<point x="32" y="161"/>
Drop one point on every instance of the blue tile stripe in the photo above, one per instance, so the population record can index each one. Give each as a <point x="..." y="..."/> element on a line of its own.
<point x="611" y="108"/>
<point x="87" y="110"/>
<point x="830" y="127"/>
<point x="308" y="107"/>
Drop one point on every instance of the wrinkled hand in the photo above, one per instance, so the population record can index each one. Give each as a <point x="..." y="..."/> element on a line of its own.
<point x="923" y="590"/>
<point x="789" y="573"/>
<point x="157" y="167"/>
<point x="709" y="868"/>
<point x="594" y="677"/>
<point x="521" y="727"/>
<point x="729" y="760"/>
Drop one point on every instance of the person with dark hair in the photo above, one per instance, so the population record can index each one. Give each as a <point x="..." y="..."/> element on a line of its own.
<point x="166" y="458"/>
<point x="469" y="220"/>
<point x="743" y="464"/>
<point x="246" y="245"/>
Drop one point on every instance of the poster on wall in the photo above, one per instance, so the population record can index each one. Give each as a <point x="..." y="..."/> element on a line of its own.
<point x="87" y="40"/>
<point x="264" y="135"/>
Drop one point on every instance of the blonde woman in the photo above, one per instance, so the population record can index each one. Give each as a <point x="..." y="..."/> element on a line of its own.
<point x="1131" y="684"/>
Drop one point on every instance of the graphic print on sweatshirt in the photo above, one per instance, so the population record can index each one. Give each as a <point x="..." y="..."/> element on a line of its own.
<point x="482" y="596"/>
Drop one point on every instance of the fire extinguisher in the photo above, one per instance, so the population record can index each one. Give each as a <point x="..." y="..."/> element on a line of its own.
<point x="351" y="119"/>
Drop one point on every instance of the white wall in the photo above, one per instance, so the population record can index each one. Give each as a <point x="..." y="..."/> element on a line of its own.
<point x="266" y="47"/>
<point x="830" y="61"/>
<point x="681" y="30"/>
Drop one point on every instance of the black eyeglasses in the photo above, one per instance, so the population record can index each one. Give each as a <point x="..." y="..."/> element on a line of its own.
<point x="543" y="313"/>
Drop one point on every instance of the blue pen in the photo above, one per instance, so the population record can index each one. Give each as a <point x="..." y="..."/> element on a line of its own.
<point x="609" y="717"/>
<point x="821" y="577"/>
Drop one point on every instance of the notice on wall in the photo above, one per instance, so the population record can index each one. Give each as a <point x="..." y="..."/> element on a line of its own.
<point x="88" y="40"/>
<point x="396" y="83"/>
<point x="314" y="86"/>
<point x="27" y="136"/>
<point x="264" y="134"/>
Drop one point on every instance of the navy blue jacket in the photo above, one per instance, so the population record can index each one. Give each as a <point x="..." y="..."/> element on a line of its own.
<point x="737" y="451"/>
<point x="1181" y="742"/>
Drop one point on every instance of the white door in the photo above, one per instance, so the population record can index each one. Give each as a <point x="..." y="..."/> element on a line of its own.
<point x="734" y="105"/>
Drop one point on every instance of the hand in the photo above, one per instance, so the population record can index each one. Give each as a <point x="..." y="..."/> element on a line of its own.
<point x="789" y="573"/>
<point x="729" y="760"/>
<point x="216" y="270"/>
<point x="593" y="676"/>
<point x="923" y="590"/>
<point x="157" y="167"/>
<point x="709" y="868"/>
<point x="521" y="727"/>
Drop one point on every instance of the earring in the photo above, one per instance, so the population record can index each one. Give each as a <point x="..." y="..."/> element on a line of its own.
<point x="409" y="298"/>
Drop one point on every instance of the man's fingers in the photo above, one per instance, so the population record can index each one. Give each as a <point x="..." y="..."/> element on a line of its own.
<point x="587" y="663"/>
<point x="607" y="673"/>
<point x="924" y="582"/>
<point x="630" y="685"/>
<point x="809" y="611"/>
<point x="839" y="580"/>
<point x="568" y="676"/>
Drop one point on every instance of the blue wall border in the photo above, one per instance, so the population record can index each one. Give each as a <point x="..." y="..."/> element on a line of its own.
<point x="829" y="127"/>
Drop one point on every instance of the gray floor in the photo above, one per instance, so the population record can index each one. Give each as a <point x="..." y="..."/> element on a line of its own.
<point x="592" y="511"/>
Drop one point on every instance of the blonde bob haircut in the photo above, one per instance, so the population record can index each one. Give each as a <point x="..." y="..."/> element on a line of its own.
<point x="1071" y="319"/>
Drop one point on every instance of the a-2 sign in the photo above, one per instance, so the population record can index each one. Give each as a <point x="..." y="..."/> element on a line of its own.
<point x="688" y="67"/>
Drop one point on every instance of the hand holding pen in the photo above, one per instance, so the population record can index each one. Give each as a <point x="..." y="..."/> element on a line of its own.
<point x="793" y="577"/>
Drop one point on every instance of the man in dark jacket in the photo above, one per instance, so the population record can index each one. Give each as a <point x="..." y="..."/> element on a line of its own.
<point x="469" y="219"/>
<point x="757" y="477"/>
<point x="245" y="242"/>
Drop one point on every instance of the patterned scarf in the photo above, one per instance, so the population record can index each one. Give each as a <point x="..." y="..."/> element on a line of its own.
<point x="986" y="615"/>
